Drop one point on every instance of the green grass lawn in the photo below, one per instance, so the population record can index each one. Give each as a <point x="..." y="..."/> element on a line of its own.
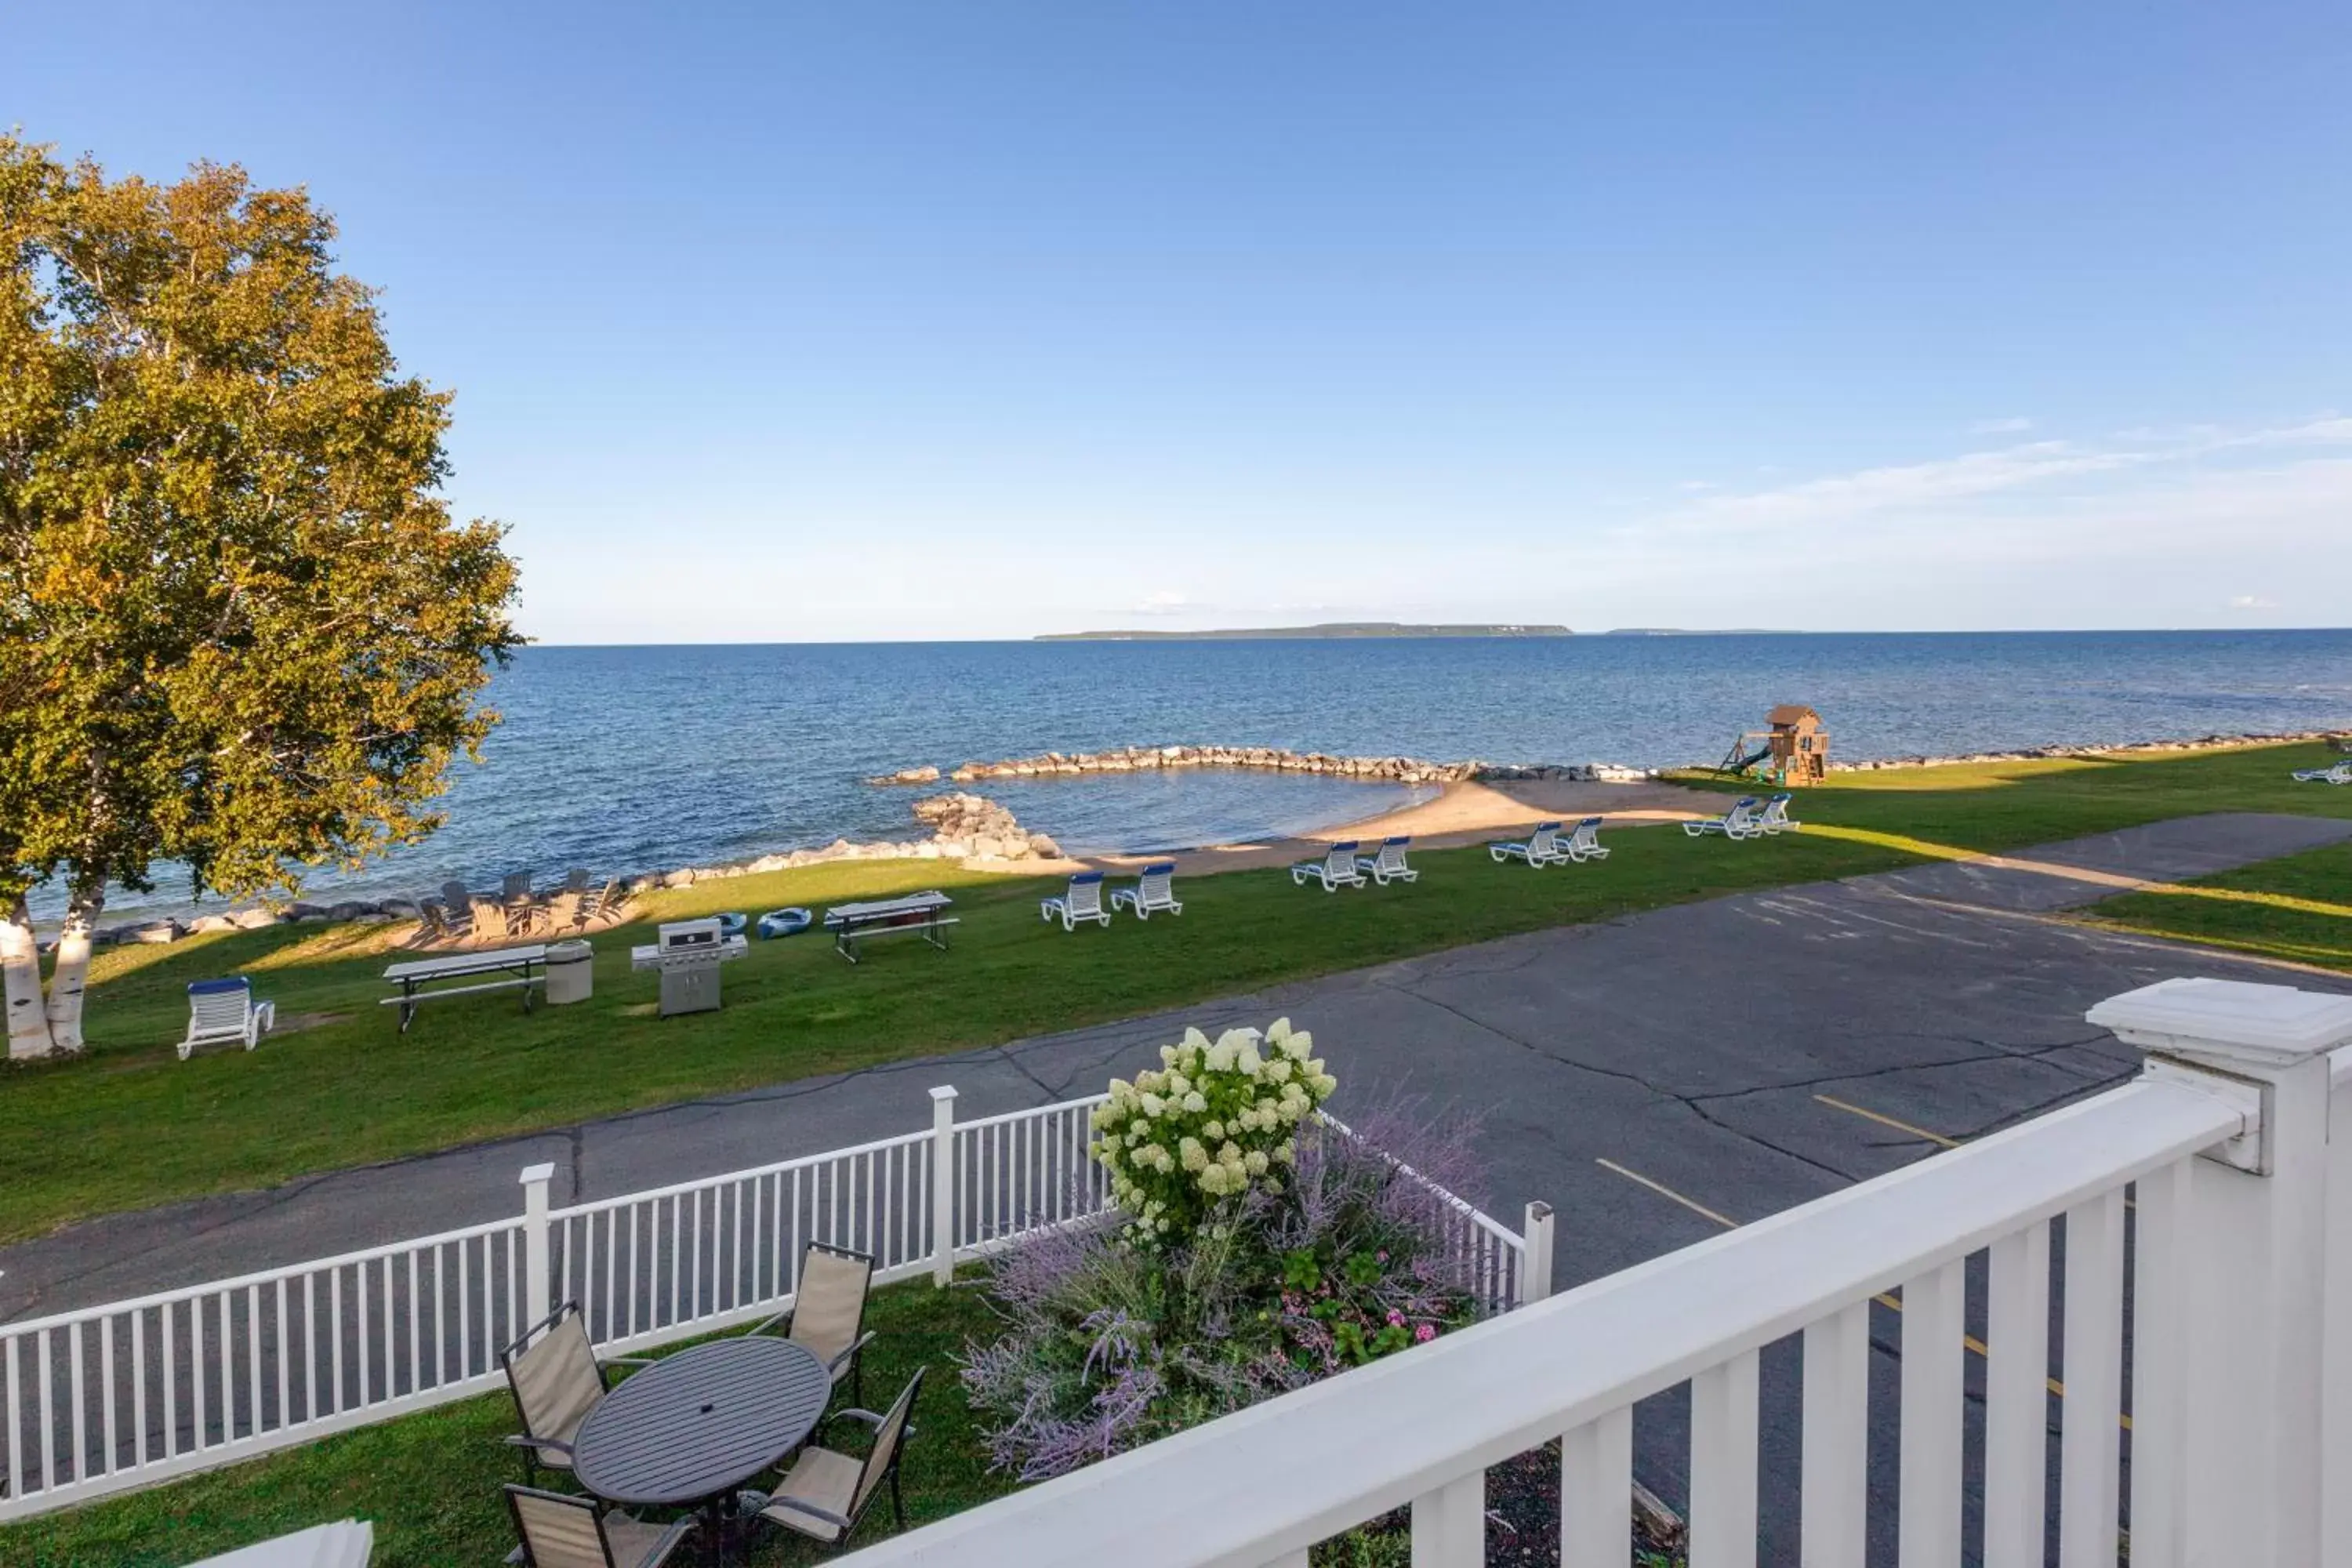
<point x="430" y="1482"/>
<point x="2267" y="922"/>
<point x="128" y="1124"/>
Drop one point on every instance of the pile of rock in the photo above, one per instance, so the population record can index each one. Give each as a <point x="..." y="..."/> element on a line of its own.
<point x="963" y="828"/>
<point x="922" y="775"/>
<point x="2125" y="749"/>
<point x="352" y="911"/>
<point x="1271" y="759"/>
<point x="1564" y="773"/>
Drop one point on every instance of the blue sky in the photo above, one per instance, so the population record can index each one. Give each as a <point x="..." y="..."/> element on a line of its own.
<point x="791" y="323"/>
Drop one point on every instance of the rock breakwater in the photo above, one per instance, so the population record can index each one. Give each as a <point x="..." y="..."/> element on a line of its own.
<point x="1401" y="770"/>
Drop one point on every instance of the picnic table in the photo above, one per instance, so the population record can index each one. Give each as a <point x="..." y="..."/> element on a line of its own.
<point x="915" y="914"/>
<point x="520" y="967"/>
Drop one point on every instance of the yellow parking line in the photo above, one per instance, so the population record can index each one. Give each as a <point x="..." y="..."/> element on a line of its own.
<point x="1667" y="1191"/>
<point x="1936" y="1138"/>
<point x="1885" y="1299"/>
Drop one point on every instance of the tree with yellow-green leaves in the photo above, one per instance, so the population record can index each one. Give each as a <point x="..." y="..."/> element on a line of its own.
<point x="240" y="630"/>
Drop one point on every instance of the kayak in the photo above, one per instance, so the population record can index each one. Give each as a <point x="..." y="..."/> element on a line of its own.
<point x="733" y="924"/>
<point x="784" y="923"/>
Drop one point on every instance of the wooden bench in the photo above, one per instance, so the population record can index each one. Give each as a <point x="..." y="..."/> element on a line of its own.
<point x="917" y="914"/>
<point x="522" y="968"/>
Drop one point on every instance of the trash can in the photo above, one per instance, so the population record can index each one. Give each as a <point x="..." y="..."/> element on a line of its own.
<point x="571" y="972"/>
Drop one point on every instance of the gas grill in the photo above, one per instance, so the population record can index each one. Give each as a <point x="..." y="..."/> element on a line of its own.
<point x="687" y="954"/>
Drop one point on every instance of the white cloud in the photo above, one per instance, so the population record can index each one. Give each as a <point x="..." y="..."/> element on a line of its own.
<point x="2009" y="427"/>
<point x="2252" y="602"/>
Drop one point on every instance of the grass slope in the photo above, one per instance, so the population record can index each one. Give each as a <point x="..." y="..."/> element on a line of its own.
<point x="127" y="1124"/>
<point x="2264" y="908"/>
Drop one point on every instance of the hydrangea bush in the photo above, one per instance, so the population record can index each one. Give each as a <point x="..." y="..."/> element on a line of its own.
<point x="1218" y="1121"/>
<point x="1327" y="1257"/>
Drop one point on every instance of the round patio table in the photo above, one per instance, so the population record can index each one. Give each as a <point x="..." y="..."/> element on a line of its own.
<point x="690" y="1429"/>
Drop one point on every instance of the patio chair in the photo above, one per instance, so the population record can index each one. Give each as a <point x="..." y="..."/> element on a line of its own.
<point x="576" y="880"/>
<point x="514" y="887"/>
<point x="487" y="916"/>
<point x="221" y="1010"/>
<point x="2341" y="773"/>
<point x="1540" y="849"/>
<point x="1154" y="890"/>
<point x="1082" y="901"/>
<point x="453" y="897"/>
<point x="556" y="1379"/>
<point x="826" y="1492"/>
<point x="1739" y="822"/>
<point x="1775" y="818"/>
<point x="828" y="1311"/>
<point x="605" y="905"/>
<point x="561" y="1531"/>
<point x="1389" y="865"/>
<point x="1335" y="871"/>
<point x="1584" y="843"/>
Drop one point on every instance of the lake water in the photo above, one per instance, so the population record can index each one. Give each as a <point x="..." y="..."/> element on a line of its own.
<point x="631" y="759"/>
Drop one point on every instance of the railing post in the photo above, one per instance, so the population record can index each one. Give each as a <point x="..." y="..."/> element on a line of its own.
<point x="2252" y="1244"/>
<point x="943" y="1214"/>
<point x="1449" y="1525"/>
<point x="535" y="1305"/>
<point x="1535" y="1254"/>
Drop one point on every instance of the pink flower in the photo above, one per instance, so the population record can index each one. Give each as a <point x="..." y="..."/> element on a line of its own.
<point x="1424" y="1334"/>
<point x="1396" y="1319"/>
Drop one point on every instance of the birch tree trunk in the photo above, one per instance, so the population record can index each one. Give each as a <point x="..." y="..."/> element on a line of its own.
<point x="20" y="975"/>
<point x="71" y="969"/>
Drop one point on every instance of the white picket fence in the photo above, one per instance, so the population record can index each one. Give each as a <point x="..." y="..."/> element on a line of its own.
<point x="2201" y="1218"/>
<point x="137" y="1392"/>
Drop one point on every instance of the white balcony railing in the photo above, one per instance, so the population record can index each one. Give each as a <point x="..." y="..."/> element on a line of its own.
<point x="133" y="1393"/>
<point x="2194" y="1210"/>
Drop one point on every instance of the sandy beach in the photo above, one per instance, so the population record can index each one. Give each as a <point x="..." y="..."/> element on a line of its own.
<point x="1464" y="813"/>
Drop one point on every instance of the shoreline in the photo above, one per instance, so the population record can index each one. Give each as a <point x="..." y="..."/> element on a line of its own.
<point x="1475" y="800"/>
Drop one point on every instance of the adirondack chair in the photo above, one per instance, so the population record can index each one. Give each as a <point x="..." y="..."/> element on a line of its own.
<point x="1584" y="844"/>
<point x="1154" y="890"/>
<point x="1082" y="901"/>
<point x="1335" y="871"/>
<point x="1389" y="865"/>
<point x="223" y="1010"/>
<point x="1739" y="822"/>
<point x="1540" y="849"/>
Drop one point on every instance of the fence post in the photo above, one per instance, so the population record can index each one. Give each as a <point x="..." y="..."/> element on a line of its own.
<point x="2247" y="1283"/>
<point x="535" y="1306"/>
<point x="943" y="1214"/>
<point x="1535" y="1254"/>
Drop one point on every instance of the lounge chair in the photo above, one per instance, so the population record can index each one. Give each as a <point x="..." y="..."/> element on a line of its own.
<point x="1739" y="822"/>
<point x="1584" y="843"/>
<point x="1335" y="871"/>
<point x="828" y="1311"/>
<point x="1154" y="890"/>
<point x="1540" y="849"/>
<point x="562" y="1531"/>
<point x="1389" y="865"/>
<point x="556" y="1379"/>
<point x="221" y="1010"/>
<point x="1082" y="901"/>
<point x="1774" y="817"/>
<point x="825" y="1493"/>
<point x="2341" y="773"/>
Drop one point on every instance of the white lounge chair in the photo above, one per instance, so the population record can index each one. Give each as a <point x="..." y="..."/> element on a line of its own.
<point x="1389" y="865"/>
<point x="1540" y="849"/>
<point x="1584" y="844"/>
<point x="1082" y="903"/>
<point x="1335" y="871"/>
<point x="1775" y="818"/>
<point x="2341" y="773"/>
<point x="1154" y="890"/>
<point x="224" y="1010"/>
<point x="1739" y="822"/>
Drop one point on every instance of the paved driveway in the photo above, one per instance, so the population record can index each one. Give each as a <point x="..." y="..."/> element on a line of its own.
<point x="1655" y="1077"/>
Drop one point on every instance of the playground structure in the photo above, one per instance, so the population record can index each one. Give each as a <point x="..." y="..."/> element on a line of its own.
<point x="1793" y="749"/>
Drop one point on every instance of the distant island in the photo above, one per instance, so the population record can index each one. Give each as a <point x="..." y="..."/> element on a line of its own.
<point x="1330" y="629"/>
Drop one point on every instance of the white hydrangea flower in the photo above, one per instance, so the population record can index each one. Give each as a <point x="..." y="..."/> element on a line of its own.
<point x="1255" y="1161"/>
<point x="1195" y="1103"/>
